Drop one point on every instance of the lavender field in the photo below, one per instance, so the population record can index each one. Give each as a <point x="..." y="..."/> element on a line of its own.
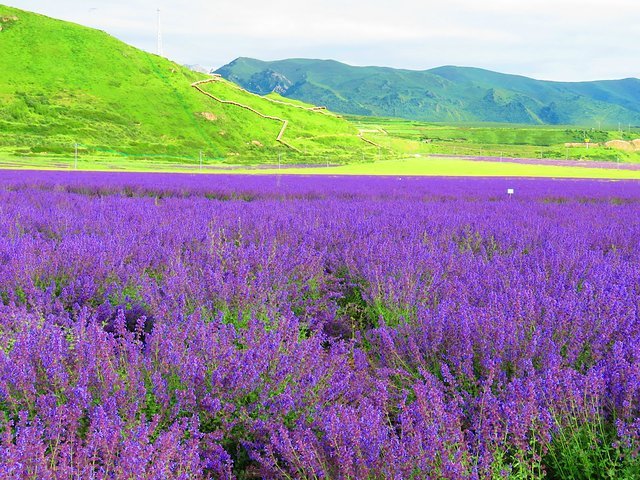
<point x="185" y="327"/>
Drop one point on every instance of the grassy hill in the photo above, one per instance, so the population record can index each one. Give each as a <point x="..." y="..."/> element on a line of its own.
<point x="63" y="84"/>
<point x="446" y="94"/>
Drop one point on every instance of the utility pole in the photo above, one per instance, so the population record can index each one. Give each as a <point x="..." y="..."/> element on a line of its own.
<point x="160" y="52"/>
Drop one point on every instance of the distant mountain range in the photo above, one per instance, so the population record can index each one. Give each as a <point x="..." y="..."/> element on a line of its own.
<point x="445" y="94"/>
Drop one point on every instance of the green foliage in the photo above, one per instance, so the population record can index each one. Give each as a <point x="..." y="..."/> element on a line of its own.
<point x="586" y="450"/>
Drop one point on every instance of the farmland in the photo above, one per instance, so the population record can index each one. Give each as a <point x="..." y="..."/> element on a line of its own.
<point x="192" y="326"/>
<point x="413" y="166"/>
<point x="502" y="140"/>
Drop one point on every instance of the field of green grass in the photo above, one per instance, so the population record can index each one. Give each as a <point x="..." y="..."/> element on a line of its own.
<point x="422" y="166"/>
<point x="497" y="140"/>
<point x="453" y="167"/>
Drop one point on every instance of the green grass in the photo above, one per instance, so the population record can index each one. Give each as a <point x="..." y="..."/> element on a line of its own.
<point x="497" y="140"/>
<point x="63" y="84"/>
<point x="460" y="168"/>
<point x="450" y="167"/>
<point x="315" y="133"/>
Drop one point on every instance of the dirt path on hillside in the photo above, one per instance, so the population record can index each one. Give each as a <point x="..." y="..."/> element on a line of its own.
<point x="285" y="122"/>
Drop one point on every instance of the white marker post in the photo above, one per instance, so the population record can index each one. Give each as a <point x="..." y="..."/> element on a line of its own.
<point x="510" y="192"/>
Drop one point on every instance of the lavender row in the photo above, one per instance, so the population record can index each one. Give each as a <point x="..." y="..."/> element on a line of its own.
<point x="258" y="327"/>
<point x="243" y="187"/>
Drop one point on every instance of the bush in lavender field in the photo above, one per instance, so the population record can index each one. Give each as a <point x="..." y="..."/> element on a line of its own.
<point x="229" y="327"/>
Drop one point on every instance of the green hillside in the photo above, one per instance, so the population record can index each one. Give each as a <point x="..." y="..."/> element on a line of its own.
<point x="446" y="94"/>
<point x="62" y="84"/>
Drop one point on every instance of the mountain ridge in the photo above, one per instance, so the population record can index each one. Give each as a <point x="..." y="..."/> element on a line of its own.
<point x="447" y="94"/>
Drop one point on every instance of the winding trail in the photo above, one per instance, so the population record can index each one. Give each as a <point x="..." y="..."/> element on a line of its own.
<point x="366" y="140"/>
<point x="285" y="122"/>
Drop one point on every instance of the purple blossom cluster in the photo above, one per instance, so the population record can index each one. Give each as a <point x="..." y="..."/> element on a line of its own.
<point x="185" y="327"/>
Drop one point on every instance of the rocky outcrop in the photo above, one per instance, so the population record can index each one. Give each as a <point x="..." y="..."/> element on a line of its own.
<point x="269" y="81"/>
<point x="6" y="22"/>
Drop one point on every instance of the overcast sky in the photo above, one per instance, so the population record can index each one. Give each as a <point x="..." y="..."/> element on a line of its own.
<point x="546" y="39"/>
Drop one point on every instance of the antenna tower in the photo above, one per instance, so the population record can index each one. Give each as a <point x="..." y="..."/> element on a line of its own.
<point x="160" y="52"/>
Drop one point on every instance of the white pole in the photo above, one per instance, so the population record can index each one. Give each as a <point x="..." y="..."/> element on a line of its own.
<point x="200" y="159"/>
<point x="159" y="35"/>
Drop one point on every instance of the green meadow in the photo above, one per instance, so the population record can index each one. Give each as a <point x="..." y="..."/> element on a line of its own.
<point x="415" y="166"/>
<point x="499" y="140"/>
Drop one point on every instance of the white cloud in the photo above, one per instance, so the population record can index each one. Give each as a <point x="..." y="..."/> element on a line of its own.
<point x="551" y="39"/>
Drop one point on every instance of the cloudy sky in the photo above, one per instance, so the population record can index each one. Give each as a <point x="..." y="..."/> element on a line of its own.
<point x="546" y="39"/>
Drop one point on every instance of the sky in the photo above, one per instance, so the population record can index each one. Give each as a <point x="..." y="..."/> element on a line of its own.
<point x="568" y="40"/>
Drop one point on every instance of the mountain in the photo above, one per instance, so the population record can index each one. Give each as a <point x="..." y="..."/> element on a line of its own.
<point x="445" y="94"/>
<point x="198" y="68"/>
<point x="62" y="83"/>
